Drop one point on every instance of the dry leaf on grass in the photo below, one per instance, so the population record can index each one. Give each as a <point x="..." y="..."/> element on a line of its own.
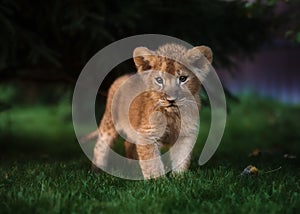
<point x="252" y="170"/>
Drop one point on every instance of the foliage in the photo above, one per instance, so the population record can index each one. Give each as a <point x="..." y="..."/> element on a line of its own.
<point x="53" y="40"/>
<point x="286" y="22"/>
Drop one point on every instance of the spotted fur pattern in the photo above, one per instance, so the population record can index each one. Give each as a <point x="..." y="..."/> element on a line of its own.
<point x="168" y="64"/>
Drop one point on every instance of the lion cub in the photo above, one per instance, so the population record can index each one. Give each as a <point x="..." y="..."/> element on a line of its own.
<point x="172" y="88"/>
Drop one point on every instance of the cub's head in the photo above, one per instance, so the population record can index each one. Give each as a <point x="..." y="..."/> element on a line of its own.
<point x="167" y="70"/>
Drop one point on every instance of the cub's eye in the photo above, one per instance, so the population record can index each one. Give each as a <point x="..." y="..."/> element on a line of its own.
<point x="183" y="78"/>
<point x="159" y="80"/>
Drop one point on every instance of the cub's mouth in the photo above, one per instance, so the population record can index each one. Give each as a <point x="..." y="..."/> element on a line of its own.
<point x="168" y="104"/>
<point x="172" y="105"/>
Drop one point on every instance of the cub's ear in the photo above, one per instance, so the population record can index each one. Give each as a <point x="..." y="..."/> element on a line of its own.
<point x="200" y="58"/>
<point x="198" y="52"/>
<point x="142" y="57"/>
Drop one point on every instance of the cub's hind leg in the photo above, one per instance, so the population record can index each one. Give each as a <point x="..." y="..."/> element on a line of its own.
<point x="106" y="138"/>
<point x="107" y="131"/>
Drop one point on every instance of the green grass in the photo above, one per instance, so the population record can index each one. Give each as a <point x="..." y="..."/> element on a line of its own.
<point x="71" y="187"/>
<point x="43" y="170"/>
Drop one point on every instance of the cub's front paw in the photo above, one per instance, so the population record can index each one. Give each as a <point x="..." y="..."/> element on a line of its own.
<point x="154" y="173"/>
<point x="178" y="174"/>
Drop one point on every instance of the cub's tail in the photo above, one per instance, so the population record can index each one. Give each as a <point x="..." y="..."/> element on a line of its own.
<point x="90" y="136"/>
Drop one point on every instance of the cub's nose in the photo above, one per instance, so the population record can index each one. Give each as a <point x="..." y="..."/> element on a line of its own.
<point x="171" y="99"/>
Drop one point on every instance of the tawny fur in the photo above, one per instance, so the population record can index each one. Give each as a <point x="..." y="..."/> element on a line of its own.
<point x="168" y="59"/>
